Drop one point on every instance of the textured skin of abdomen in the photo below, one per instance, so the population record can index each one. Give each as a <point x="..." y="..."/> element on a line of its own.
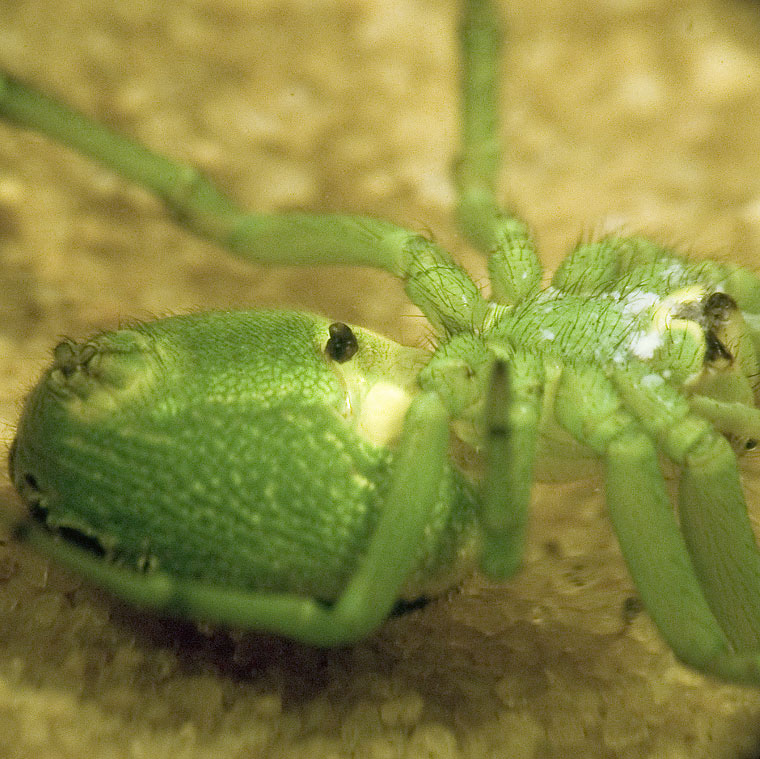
<point x="182" y="454"/>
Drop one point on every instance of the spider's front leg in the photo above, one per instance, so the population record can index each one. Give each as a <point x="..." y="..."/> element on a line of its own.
<point x="702" y="589"/>
<point x="712" y="510"/>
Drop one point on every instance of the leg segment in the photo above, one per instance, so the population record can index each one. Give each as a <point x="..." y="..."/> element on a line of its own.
<point x="514" y="267"/>
<point x="512" y="413"/>
<point x="740" y="421"/>
<point x="367" y="599"/>
<point x="478" y="161"/>
<point x="655" y="552"/>
<point x="711" y="509"/>
<point x="713" y="516"/>
<point x="589" y="269"/>
<point x="649" y="535"/>
<point x="719" y="535"/>
<point x="441" y="288"/>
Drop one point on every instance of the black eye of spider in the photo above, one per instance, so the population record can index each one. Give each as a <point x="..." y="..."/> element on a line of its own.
<point x="717" y="307"/>
<point x="342" y="344"/>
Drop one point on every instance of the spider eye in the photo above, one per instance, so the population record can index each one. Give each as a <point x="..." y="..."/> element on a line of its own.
<point x="717" y="307"/>
<point x="342" y="344"/>
<point x="719" y="312"/>
<point x="750" y="444"/>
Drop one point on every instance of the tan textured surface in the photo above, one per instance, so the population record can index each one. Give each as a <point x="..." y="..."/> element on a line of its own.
<point x="641" y="114"/>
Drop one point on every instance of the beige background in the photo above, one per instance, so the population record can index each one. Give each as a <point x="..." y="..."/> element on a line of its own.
<point x="633" y="114"/>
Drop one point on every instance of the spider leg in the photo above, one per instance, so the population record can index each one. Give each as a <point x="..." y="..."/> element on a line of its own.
<point x="729" y="417"/>
<point x="434" y="282"/>
<point x="512" y="415"/>
<point x="596" y="267"/>
<point x="712" y="510"/>
<point x="588" y="269"/>
<point x="719" y="535"/>
<point x="480" y="36"/>
<point x="652" y="543"/>
<point x="367" y="599"/>
<point x="514" y="267"/>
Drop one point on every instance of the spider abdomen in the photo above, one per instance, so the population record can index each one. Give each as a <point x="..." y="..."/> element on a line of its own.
<point x="192" y="445"/>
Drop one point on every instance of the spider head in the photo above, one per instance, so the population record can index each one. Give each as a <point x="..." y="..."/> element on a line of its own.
<point x="713" y="347"/>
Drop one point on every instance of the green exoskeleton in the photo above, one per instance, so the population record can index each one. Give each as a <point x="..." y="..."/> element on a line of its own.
<point x="275" y="471"/>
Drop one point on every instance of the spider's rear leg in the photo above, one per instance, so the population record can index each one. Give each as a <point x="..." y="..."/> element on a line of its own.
<point x="368" y="597"/>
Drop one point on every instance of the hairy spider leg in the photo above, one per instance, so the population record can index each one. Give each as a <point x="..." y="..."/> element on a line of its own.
<point x="711" y="505"/>
<point x="641" y="514"/>
<point x="433" y="281"/>
<point x="686" y="588"/>
<point x="513" y="266"/>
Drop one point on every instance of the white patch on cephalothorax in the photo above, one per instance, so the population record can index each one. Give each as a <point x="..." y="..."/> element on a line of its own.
<point x="652" y="380"/>
<point x="644" y="344"/>
<point x="637" y="300"/>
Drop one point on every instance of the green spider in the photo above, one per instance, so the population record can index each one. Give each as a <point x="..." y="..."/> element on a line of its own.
<point x="275" y="471"/>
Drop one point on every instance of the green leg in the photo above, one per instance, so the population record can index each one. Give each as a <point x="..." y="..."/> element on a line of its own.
<point x="441" y="288"/>
<point x="649" y="535"/>
<point x="730" y="418"/>
<point x="655" y="551"/>
<point x="367" y="599"/>
<point x="712" y="510"/>
<point x="475" y="171"/>
<point x="514" y="268"/>
<point x="722" y="545"/>
<point x="512" y="413"/>
<point x="592" y="267"/>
